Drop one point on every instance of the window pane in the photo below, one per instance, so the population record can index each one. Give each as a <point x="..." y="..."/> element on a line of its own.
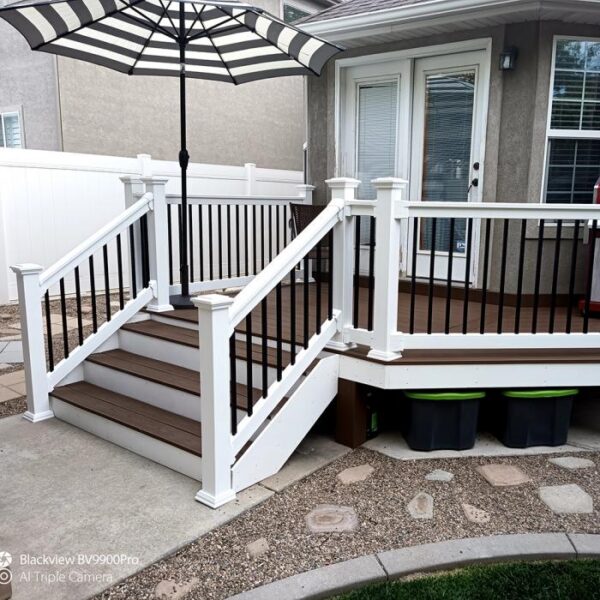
<point x="568" y="84"/>
<point x="593" y="57"/>
<point x="592" y="86"/>
<point x="291" y="13"/>
<point x="12" y="130"/>
<point x="2" y="144"/>
<point x="570" y="54"/>
<point x="573" y="169"/>
<point x="591" y="116"/>
<point x="566" y="115"/>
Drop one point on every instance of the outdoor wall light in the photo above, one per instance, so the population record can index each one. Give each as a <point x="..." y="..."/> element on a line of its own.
<point x="508" y="59"/>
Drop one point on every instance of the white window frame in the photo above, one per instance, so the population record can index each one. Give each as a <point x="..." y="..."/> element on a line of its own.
<point x="11" y="110"/>
<point x="569" y="134"/>
<point x="304" y="7"/>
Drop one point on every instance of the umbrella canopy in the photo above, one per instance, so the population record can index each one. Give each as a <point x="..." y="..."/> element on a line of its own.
<point x="219" y="40"/>
<point x="223" y="41"/>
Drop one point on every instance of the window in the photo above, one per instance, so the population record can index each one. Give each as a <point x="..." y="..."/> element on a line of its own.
<point x="10" y="130"/>
<point x="574" y="128"/>
<point x="293" y="13"/>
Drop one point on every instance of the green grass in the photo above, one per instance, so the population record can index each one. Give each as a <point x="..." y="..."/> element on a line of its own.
<point x="570" y="580"/>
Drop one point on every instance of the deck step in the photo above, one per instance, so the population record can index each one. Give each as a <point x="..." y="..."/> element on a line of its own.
<point x="165" y="426"/>
<point x="189" y="338"/>
<point x="162" y="373"/>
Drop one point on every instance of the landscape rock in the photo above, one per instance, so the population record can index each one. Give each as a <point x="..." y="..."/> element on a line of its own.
<point x="421" y="506"/>
<point x="329" y="518"/>
<point x="572" y="462"/>
<point x="355" y="474"/>
<point x="503" y="475"/>
<point x="171" y="590"/>
<point x="475" y="515"/>
<point x="439" y="475"/>
<point x="566" y="499"/>
<point x="257" y="548"/>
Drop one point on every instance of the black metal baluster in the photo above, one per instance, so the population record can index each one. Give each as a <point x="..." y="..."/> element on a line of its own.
<point x="180" y="240"/>
<point x="220" y="234"/>
<point x="278" y="230"/>
<point x="170" y="240"/>
<point x="555" y="272"/>
<point x="254" y="241"/>
<point x="318" y="272"/>
<point x="520" y="276"/>
<point x="270" y="232"/>
<point x="229" y="232"/>
<point x="468" y="274"/>
<point x="78" y="304"/>
<point x="330" y="278"/>
<point x="279" y="331"/>
<point x="191" y="241"/>
<point x="237" y="240"/>
<point x="49" y="331"/>
<point x="371" y="296"/>
<point x="574" y="250"/>
<point x="233" y="384"/>
<point x="93" y="290"/>
<point x="211" y="256"/>
<point x="262" y="236"/>
<point x="356" y="292"/>
<point x="264" y="365"/>
<point x="431" y="274"/>
<point x="538" y="274"/>
<point x="285" y="225"/>
<point x="145" y="251"/>
<point x="505" y="232"/>
<point x="201" y="240"/>
<point x="306" y="305"/>
<point x="413" y="276"/>
<point x="486" y="264"/>
<point x="132" y="259"/>
<point x="120" y="272"/>
<point x="449" y="278"/>
<point x="249" y="365"/>
<point x="63" y="312"/>
<point x="293" y="315"/>
<point x="246" y="242"/>
<point x="590" y="279"/>
<point x="106" y="282"/>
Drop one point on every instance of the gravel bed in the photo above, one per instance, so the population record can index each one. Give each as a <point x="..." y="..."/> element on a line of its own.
<point x="219" y="566"/>
<point x="8" y="408"/>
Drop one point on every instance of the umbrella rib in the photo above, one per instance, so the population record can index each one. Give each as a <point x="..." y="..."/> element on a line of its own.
<point x="196" y="20"/>
<point x="166" y="12"/>
<point x="146" y="20"/>
<point x="146" y="44"/>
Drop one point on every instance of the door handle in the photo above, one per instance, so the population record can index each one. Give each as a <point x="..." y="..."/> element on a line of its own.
<point x="474" y="183"/>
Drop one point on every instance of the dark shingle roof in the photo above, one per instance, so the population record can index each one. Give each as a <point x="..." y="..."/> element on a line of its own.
<point x="357" y="7"/>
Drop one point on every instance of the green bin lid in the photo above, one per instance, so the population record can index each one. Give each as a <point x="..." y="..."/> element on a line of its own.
<point x="445" y="395"/>
<point x="540" y="393"/>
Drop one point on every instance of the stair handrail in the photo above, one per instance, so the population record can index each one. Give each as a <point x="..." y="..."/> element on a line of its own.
<point x="266" y="281"/>
<point x="65" y="265"/>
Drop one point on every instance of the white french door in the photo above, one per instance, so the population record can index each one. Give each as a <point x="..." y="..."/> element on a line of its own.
<point x="423" y="120"/>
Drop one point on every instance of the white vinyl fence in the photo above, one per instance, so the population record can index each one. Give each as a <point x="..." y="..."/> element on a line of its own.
<point x="52" y="201"/>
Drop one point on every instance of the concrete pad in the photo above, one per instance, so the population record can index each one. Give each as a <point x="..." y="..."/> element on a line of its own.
<point x="421" y="506"/>
<point x="66" y="493"/>
<point x="19" y="388"/>
<point x="503" y="475"/>
<point x="455" y="553"/>
<point x="566" y="499"/>
<point x="312" y="454"/>
<point x="588" y="439"/>
<point x="587" y="545"/>
<point x="355" y="474"/>
<point x="8" y="394"/>
<point x="392" y="444"/>
<point x="573" y="463"/>
<point x="321" y="583"/>
<point x="440" y="475"/>
<point x="12" y="378"/>
<point x="257" y="548"/>
<point x="12" y="353"/>
<point x="329" y="518"/>
<point x="475" y="515"/>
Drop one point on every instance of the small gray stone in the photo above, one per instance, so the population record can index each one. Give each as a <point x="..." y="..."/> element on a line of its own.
<point x="503" y="475"/>
<point x="475" y="515"/>
<point x="439" y="475"/>
<point x="421" y="506"/>
<point x="257" y="548"/>
<point x="572" y="462"/>
<point x="171" y="590"/>
<point x="355" y="474"/>
<point x="566" y="499"/>
<point x="329" y="518"/>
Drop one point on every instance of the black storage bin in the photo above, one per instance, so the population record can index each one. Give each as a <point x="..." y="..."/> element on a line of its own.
<point x="535" y="417"/>
<point x="441" y="420"/>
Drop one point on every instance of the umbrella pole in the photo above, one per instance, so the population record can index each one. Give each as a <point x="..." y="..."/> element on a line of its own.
<point x="183" y="300"/>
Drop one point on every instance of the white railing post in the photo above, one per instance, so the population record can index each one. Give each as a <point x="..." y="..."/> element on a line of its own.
<point x="344" y="189"/>
<point x="158" y="243"/>
<point x="250" y="179"/>
<point x="305" y="192"/>
<point x="145" y="162"/>
<point x="34" y="349"/>
<point x="214" y="326"/>
<point x="390" y="193"/>
<point x="134" y="189"/>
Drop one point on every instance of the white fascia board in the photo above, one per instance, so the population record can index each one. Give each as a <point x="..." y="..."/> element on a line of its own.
<point x="435" y="11"/>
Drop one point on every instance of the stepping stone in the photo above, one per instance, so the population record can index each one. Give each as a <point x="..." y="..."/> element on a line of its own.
<point x="329" y="518"/>
<point x="439" y="475"/>
<point x="421" y="506"/>
<point x="171" y="590"/>
<point x="503" y="475"/>
<point x="257" y="548"/>
<point x="572" y="462"/>
<point x="566" y="499"/>
<point x="475" y="515"/>
<point x="355" y="474"/>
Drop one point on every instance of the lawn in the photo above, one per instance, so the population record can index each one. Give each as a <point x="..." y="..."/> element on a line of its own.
<point x="571" y="580"/>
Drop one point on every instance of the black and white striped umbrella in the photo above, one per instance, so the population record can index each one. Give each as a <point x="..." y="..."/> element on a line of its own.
<point x="219" y="40"/>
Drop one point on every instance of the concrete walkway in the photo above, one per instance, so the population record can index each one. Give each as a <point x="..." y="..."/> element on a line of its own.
<point x="387" y="566"/>
<point x="79" y="514"/>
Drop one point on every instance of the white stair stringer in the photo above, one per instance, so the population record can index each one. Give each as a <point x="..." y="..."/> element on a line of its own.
<point x="284" y="432"/>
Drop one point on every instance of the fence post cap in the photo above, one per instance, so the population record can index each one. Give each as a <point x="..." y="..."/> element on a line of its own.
<point x="131" y="179"/>
<point x="26" y="268"/>
<point x="389" y="183"/>
<point x="342" y="182"/>
<point x="212" y="302"/>
<point x="154" y="180"/>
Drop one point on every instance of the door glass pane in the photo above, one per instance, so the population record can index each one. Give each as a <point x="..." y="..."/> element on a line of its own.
<point x="449" y="105"/>
<point x="12" y="130"/>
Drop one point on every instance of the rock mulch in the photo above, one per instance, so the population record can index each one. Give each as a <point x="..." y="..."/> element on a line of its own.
<point x="219" y="564"/>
